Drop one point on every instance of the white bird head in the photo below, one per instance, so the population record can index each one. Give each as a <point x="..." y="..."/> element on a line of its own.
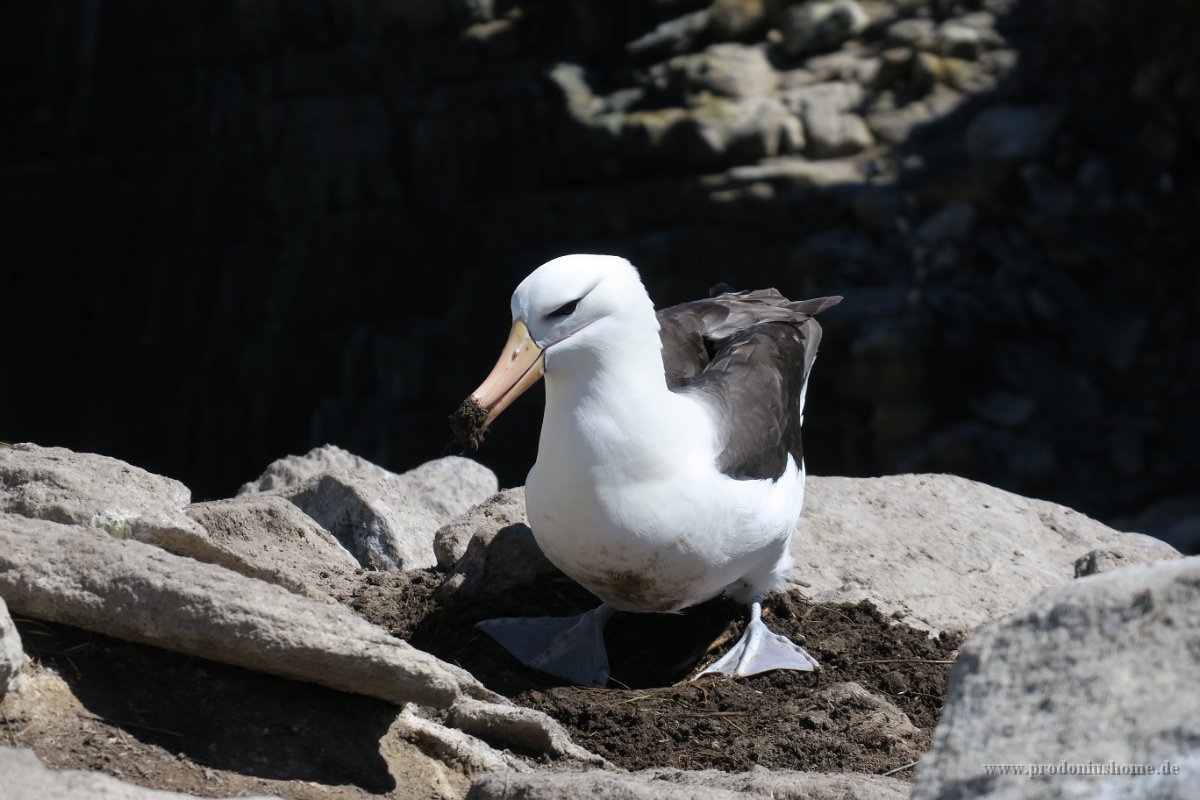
<point x="568" y="313"/>
<point x="563" y="299"/>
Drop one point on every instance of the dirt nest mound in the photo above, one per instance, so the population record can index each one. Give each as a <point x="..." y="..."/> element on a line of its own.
<point x="651" y="716"/>
<point x="167" y="720"/>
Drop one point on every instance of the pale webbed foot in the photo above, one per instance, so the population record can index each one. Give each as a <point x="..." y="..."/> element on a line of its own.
<point x="567" y="647"/>
<point x="760" y="650"/>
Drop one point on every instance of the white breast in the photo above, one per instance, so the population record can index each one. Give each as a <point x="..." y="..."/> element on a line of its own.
<point x="626" y="499"/>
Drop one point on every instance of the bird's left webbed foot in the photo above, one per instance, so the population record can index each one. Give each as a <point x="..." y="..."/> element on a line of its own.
<point x="567" y="647"/>
<point x="760" y="650"/>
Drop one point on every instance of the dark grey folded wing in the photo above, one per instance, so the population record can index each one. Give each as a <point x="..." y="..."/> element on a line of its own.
<point x="747" y="356"/>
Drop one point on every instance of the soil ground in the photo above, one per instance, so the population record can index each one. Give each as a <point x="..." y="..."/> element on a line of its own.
<point x="169" y="721"/>
<point x="175" y="722"/>
<point x="652" y="716"/>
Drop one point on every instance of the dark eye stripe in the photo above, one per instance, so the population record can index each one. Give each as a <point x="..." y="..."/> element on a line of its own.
<point x="565" y="310"/>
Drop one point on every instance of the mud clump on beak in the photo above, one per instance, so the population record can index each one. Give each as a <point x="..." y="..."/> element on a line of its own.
<point x="469" y="423"/>
<point x="520" y="366"/>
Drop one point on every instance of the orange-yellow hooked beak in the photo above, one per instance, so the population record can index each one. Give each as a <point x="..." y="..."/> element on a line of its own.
<point x="520" y="365"/>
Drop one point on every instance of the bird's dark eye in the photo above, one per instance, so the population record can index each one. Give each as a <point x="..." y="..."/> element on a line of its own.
<point x="565" y="310"/>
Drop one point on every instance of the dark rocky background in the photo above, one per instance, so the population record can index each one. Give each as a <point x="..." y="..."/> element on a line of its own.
<point x="234" y="230"/>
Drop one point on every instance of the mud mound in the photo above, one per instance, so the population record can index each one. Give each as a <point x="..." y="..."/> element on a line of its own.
<point x="879" y="679"/>
<point x="162" y="719"/>
<point x="169" y="721"/>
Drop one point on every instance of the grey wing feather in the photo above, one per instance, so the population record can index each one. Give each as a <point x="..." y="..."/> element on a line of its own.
<point x="747" y="355"/>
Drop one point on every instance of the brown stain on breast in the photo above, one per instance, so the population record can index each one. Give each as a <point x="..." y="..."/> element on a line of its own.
<point x="639" y="590"/>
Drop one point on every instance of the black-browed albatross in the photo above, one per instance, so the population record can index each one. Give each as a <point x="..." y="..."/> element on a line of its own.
<point x="669" y="468"/>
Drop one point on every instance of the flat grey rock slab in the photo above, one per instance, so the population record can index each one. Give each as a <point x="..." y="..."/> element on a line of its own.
<point x="26" y="778"/>
<point x="60" y="485"/>
<point x="269" y="538"/>
<point x="942" y="552"/>
<point x="83" y="577"/>
<point x="1101" y="671"/>
<point x="672" y="784"/>
<point x="12" y="653"/>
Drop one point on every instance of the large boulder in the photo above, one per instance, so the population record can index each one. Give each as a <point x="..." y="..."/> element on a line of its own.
<point x="59" y="485"/>
<point x="1100" y="674"/>
<point x="259" y="535"/>
<point x="942" y="552"/>
<point x="80" y="576"/>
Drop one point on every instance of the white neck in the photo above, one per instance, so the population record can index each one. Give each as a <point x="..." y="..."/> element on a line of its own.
<point x="609" y="411"/>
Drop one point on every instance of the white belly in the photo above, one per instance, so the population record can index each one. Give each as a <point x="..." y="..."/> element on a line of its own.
<point x="626" y="499"/>
<point x="666" y="544"/>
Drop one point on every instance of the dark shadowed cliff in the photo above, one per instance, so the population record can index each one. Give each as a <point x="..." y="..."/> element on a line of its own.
<point x="230" y="231"/>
